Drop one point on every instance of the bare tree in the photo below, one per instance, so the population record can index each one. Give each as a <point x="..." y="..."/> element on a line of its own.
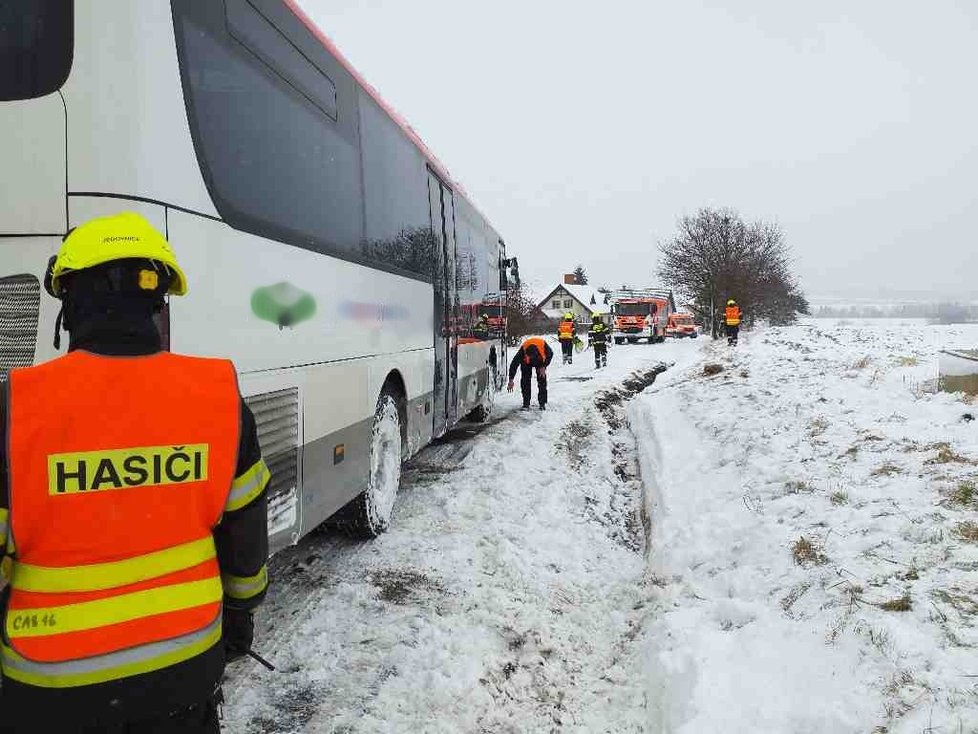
<point x="519" y="312"/>
<point x="580" y="277"/>
<point x="716" y="256"/>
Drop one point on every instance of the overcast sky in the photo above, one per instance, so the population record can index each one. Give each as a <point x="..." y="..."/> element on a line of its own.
<point x="583" y="130"/>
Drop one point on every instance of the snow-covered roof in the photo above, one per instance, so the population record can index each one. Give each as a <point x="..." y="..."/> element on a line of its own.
<point x="583" y="294"/>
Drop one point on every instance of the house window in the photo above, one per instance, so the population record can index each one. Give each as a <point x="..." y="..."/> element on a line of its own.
<point x="556" y="303"/>
<point x="568" y="303"/>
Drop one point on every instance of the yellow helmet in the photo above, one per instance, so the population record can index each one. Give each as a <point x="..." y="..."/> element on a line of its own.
<point x="731" y="302"/>
<point x="595" y="315"/>
<point x="568" y="316"/>
<point x="118" y="237"/>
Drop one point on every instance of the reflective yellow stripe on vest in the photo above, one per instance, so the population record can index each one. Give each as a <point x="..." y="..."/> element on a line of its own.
<point x="101" y="576"/>
<point x="88" y="615"/>
<point x="245" y="587"/>
<point x="248" y="486"/>
<point x="4" y="526"/>
<point x="122" y="664"/>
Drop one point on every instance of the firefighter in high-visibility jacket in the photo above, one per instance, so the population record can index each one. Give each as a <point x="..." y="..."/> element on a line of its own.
<point x="567" y="335"/>
<point x="132" y="507"/>
<point x="598" y="338"/>
<point x="732" y="317"/>
<point x="533" y="356"/>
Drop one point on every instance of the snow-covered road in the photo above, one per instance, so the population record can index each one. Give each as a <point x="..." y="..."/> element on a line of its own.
<point x="508" y="596"/>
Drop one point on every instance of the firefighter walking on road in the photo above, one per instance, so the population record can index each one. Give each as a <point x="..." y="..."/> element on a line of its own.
<point x="132" y="507"/>
<point x="534" y="355"/>
<point x="598" y="337"/>
<point x="732" y="317"/>
<point x="567" y="334"/>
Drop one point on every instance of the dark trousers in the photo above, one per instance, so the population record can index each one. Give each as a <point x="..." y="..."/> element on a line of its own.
<point x="732" y="331"/>
<point x="526" y="373"/>
<point x="203" y="718"/>
<point x="600" y="354"/>
<point x="567" y="349"/>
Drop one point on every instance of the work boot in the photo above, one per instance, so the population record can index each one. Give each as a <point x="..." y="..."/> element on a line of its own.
<point x="526" y="406"/>
<point x="543" y="406"/>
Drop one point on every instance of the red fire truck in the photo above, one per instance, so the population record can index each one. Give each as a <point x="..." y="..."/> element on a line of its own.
<point x="681" y="324"/>
<point x="641" y="314"/>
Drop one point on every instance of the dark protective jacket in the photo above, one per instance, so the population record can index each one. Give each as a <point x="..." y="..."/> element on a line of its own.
<point x="598" y="334"/>
<point x="241" y="540"/>
<point x="528" y="354"/>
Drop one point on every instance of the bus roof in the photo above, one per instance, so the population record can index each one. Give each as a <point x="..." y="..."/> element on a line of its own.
<point x="413" y="136"/>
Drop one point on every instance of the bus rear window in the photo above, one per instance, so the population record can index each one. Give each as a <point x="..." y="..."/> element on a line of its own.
<point x="36" y="47"/>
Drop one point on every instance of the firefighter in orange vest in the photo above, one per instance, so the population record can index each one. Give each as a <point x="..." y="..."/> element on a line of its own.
<point x="732" y="318"/>
<point x="534" y="355"/>
<point x="133" y="510"/>
<point x="567" y="334"/>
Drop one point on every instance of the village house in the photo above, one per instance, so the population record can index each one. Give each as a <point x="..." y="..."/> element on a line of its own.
<point x="580" y="300"/>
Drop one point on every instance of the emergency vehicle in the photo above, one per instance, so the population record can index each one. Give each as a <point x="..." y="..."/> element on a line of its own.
<point x="681" y="324"/>
<point x="641" y="314"/>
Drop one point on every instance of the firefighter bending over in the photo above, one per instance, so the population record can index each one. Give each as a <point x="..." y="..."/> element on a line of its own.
<point x="534" y="356"/>
<point x="732" y="318"/>
<point x="567" y="334"/>
<point x="132" y="507"/>
<point x="598" y="336"/>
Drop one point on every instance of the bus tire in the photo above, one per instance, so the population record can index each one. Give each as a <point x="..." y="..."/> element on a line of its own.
<point x="369" y="513"/>
<point x="481" y="412"/>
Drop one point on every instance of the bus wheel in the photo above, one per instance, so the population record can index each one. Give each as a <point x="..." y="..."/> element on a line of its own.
<point x="369" y="514"/>
<point x="481" y="413"/>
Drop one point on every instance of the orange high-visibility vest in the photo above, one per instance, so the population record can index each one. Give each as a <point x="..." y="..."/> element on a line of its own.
<point x="540" y="345"/>
<point x="565" y="330"/>
<point x="119" y="470"/>
<point x="733" y="315"/>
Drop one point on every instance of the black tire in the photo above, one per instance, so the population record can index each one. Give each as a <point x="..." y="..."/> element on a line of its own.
<point x="619" y="340"/>
<point x="369" y="514"/>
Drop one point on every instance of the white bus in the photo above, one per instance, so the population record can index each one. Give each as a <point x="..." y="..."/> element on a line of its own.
<point x="328" y="252"/>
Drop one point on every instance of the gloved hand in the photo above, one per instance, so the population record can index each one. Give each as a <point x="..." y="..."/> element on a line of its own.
<point x="238" y="634"/>
<point x="509" y="387"/>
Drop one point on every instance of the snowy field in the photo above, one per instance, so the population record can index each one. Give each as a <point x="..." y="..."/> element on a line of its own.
<point x="814" y="534"/>
<point x="787" y="546"/>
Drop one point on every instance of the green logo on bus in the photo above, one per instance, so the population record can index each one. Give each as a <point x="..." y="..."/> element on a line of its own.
<point x="283" y="305"/>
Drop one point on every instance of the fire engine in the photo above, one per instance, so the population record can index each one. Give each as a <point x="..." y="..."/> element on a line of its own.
<point x="641" y="314"/>
<point x="681" y="324"/>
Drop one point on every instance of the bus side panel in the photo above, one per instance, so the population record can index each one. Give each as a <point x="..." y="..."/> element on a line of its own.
<point x="32" y="166"/>
<point x="129" y="133"/>
<point x="269" y="305"/>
